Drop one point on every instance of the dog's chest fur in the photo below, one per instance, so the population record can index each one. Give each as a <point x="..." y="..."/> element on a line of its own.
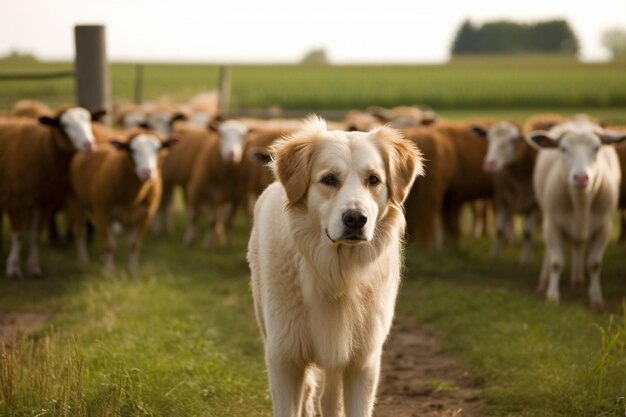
<point x="340" y="309"/>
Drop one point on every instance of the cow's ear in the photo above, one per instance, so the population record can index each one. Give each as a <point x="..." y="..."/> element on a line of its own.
<point x="214" y="125"/>
<point x="541" y="139"/>
<point x="49" y="121"/>
<point x="380" y="114"/>
<point x="612" y="138"/>
<point x="430" y="117"/>
<point x="169" y="142"/>
<point x="479" y="131"/>
<point x="260" y="155"/>
<point x="98" y="115"/>
<point x="178" y="117"/>
<point x="119" y="145"/>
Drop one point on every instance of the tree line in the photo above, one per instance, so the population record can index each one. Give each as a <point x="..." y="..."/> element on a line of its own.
<point x="508" y="37"/>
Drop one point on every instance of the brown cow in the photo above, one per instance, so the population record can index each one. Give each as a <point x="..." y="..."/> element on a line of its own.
<point x="206" y="165"/>
<point x="122" y="185"/>
<point x="34" y="181"/>
<point x="511" y="160"/>
<point x="453" y="162"/>
<point x="32" y="109"/>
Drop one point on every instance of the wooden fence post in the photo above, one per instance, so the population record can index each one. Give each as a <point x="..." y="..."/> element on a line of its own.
<point x="93" y="88"/>
<point x="224" y="90"/>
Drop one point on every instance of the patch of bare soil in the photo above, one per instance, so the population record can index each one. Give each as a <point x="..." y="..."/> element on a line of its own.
<point x="417" y="379"/>
<point x="15" y="324"/>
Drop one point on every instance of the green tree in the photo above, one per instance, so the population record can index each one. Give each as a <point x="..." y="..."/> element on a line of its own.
<point x="554" y="36"/>
<point x="18" y="56"/>
<point x="316" y="57"/>
<point x="507" y="37"/>
<point x="501" y="37"/>
<point x="466" y="39"/>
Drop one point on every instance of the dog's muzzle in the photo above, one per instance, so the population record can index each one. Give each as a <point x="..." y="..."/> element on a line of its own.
<point x="353" y="220"/>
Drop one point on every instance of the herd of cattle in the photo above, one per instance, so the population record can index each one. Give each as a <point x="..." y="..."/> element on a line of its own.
<point x="551" y="170"/>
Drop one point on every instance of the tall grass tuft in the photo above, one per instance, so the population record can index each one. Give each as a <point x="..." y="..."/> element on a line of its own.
<point x="35" y="381"/>
<point x="613" y="353"/>
<point x="7" y="386"/>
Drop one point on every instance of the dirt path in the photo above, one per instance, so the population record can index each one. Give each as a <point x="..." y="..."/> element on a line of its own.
<point x="417" y="379"/>
<point x="14" y="324"/>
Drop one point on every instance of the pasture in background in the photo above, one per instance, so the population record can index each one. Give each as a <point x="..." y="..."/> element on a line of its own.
<point x="472" y="86"/>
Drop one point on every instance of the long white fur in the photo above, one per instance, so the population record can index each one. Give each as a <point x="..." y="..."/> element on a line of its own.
<point x="325" y="308"/>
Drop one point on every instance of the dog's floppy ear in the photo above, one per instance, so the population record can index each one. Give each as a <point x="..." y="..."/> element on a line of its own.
<point x="404" y="162"/>
<point x="292" y="163"/>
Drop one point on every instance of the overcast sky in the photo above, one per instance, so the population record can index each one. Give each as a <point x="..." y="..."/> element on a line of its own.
<point x="283" y="30"/>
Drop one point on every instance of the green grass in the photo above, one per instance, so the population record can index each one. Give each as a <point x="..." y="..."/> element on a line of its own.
<point x="530" y="357"/>
<point x="476" y="83"/>
<point x="615" y="115"/>
<point x="181" y="339"/>
<point x="178" y="340"/>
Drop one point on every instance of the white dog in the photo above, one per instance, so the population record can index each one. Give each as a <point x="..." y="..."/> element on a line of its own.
<point x="326" y="259"/>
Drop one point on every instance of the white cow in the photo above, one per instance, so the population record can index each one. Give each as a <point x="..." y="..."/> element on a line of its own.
<point x="576" y="182"/>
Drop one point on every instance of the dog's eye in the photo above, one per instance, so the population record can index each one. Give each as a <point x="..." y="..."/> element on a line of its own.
<point x="329" y="180"/>
<point x="373" y="180"/>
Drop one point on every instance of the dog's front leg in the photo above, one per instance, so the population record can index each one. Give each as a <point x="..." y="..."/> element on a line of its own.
<point x="286" y="384"/>
<point x="359" y="387"/>
<point x="332" y="394"/>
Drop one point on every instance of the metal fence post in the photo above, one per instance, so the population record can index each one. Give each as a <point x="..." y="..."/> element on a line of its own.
<point x="93" y="87"/>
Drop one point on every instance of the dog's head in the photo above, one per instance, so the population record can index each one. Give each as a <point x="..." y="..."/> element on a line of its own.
<point x="346" y="181"/>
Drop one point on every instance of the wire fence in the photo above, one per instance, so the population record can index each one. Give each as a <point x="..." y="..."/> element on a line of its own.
<point x="37" y="76"/>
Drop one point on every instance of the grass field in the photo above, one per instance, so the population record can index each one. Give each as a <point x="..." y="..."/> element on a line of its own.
<point x="479" y="83"/>
<point x="181" y="340"/>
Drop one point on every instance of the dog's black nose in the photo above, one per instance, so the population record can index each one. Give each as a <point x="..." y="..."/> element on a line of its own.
<point x="354" y="219"/>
